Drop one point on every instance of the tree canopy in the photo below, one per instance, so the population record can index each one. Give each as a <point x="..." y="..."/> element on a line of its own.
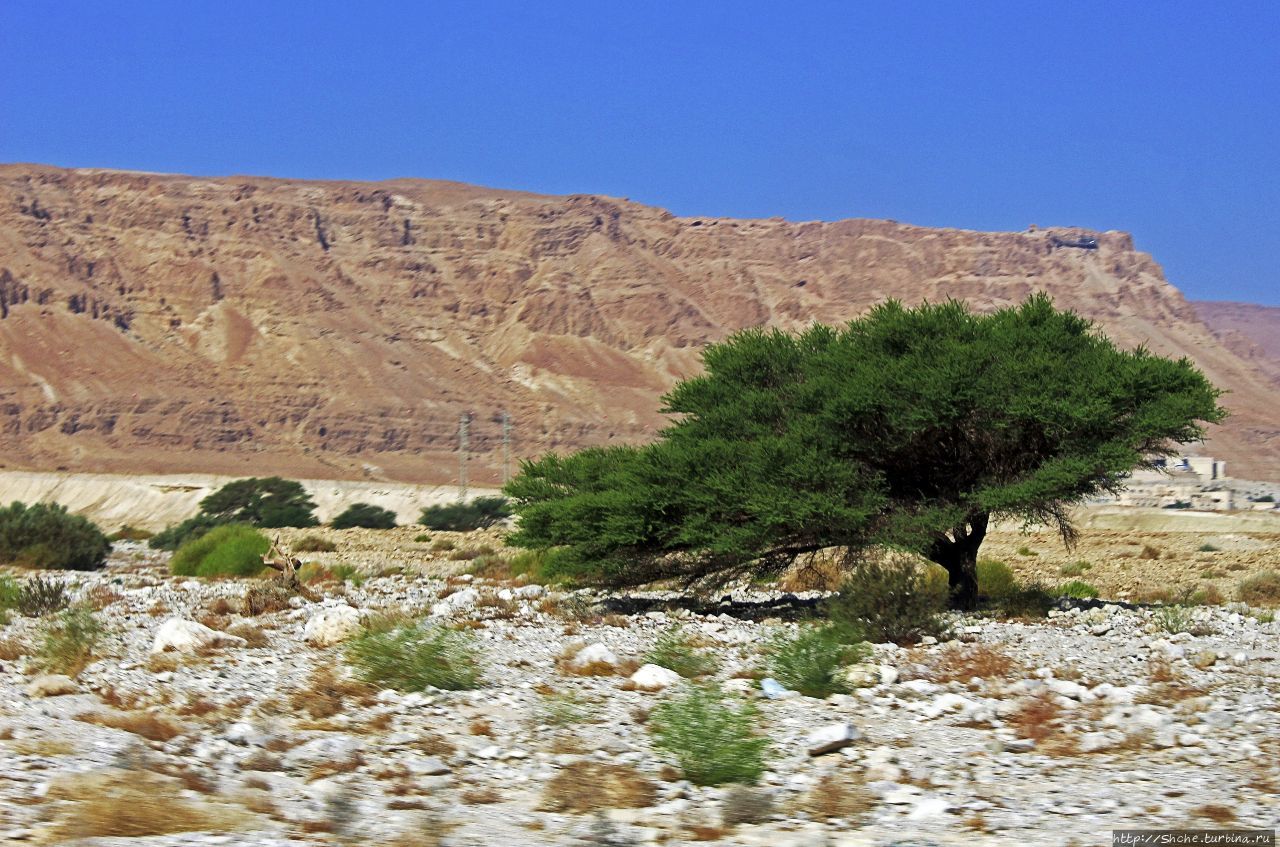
<point x="267" y="502"/>
<point x="912" y="427"/>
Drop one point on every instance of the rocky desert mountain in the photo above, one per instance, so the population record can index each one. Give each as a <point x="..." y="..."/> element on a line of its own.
<point x="1251" y="331"/>
<point x="153" y="323"/>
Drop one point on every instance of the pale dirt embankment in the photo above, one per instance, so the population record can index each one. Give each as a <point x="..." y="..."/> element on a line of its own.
<point x="154" y="502"/>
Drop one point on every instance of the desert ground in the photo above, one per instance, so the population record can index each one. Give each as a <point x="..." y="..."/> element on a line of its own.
<point x="253" y="730"/>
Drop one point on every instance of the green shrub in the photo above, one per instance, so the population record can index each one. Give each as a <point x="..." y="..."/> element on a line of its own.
<point x="442" y="545"/>
<point x="38" y="596"/>
<point x="230" y="550"/>
<point x="46" y="535"/>
<point x="562" y="710"/>
<point x="269" y="502"/>
<point x="365" y="516"/>
<point x="422" y="538"/>
<point x="1027" y="551"/>
<point x="995" y="579"/>
<point x="674" y="652"/>
<point x="313" y="544"/>
<point x="414" y="658"/>
<point x="1208" y="548"/>
<point x="712" y="736"/>
<point x="890" y="600"/>
<point x="130" y="533"/>
<point x="1261" y="589"/>
<point x="1077" y="590"/>
<point x="811" y="661"/>
<point x="68" y="641"/>
<point x="1172" y="619"/>
<point x="529" y="563"/>
<point x="174" y="536"/>
<point x="1028" y="601"/>
<point x="1074" y="569"/>
<point x="479" y="513"/>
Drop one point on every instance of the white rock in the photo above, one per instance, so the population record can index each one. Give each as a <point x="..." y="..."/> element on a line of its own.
<point x="464" y="599"/>
<point x="831" y="738"/>
<point x="861" y="676"/>
<point x="928" y="807"/>
<point x="888" y="674"/>
<point x="331" y="749"/>
<point x="530" y="592"/>
<point x="921" y="686"/>
<point x="654" y="678"/>
<point x="332" y="626"/>
<point x="51" y="685"/>
<point x="1092" y="742"/>
<point x="596" y="653"/>
<point x="183" y="636"/>
<point x="1067" y="688"/>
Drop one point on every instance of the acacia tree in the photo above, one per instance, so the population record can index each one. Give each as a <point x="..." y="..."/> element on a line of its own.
<point x="909" y="427"/>
<point x="267" y="502"/>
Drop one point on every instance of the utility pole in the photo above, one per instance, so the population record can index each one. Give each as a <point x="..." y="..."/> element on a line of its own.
<point x="506" y="448"/>
<point x="464" y="424"/>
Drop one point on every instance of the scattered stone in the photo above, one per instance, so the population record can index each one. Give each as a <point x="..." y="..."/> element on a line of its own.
<point x="829" y="739"/>
<point x="183" y="636"/>
<point x="332" y="626"/>
<point x="654" y="678"/>
<point x="51" y="685"/>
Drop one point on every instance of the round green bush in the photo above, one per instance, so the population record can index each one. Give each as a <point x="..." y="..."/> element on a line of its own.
<point x="995" y="579"/>
<point x="45" y="535"/>
<point x="365" y="516"/>
<point x="230" y="550"/>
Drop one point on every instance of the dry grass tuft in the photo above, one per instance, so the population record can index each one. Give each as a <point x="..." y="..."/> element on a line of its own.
<point x="149" y="725"/>
<point x="1215" y="812"/>
<point x="589" y="785"/>
<point x="1036" y="718"/>
<point x="265" y="598"/>
<point x="480" y="726"/>
<point x="480" y="796"/>
<point x="132" y="804"/>
<point x="326" y="694"/>
<point x="253" y="634"/>
<point x="838" y="795"/>
<point x="1149" y="552"/>
<point x="12" y="649"/>
<point x="969" y="661"/>
<point x="101" y="596"/>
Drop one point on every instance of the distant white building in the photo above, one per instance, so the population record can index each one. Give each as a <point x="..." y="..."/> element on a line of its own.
<point x="1187" y="482"/>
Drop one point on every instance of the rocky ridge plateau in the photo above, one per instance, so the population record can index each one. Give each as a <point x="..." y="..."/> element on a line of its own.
<point x="157" y="324"/>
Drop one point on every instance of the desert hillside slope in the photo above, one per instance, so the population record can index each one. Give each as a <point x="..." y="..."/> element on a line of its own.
<point x="153" y="323"/>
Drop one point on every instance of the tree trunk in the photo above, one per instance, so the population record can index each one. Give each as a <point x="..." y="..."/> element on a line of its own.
<point x="958" y="553"/>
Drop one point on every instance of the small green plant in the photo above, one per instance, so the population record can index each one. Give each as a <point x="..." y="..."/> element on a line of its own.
<point x="130" y="533"/>
<point x="529" y="563"/>
<point x="995" y="579"/>
<point x="414" y="658"/>
<point x="479" y="513"/>
<point x="560" y="710"/>
<point x="1262" y="589"/>
<point x="313" y="544"/>
<point x="1027" y="551"/>
<point x="1074" y="569"/>
<point x="67" y="642"/>
<point x="811" y="661"/>
<point x="365" y="516"/>
<point x="422" y="538"/>
<point x="1077" y="590"/>
<point x="713" y="736"/>
<point x="1172" y="619"/>
<point x="175" y="535"/>
<point x="313" y="572"/>
<point x="890" y="600"/>
<point x="46" y="535"/>
<point x="1208" y="548"/>
<point x="230" y="550"/>
<point x="39" y="596"/>
<point x="1028" y="601"/>
<point x="1265" y="616"/>
<point x="442" y="545"/>
<point x="674" y="652"/>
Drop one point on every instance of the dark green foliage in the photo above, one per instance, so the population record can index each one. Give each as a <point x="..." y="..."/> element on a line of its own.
<point x="268" y="502"/>
<point x="995" y="579"/>
<point x="414" y="658"/>
<point x="46" y="535"/>
<point x="1077" y="589"/>
<point x="1026" y="601"/>
<point x="910" y="427"/>
<point x="479" y="513"/>
<point x="890" y="599"/>
<point x="366" y="516"/>
<point x="230" y="550"/>
<point x="174" y="536"/>
<point x="713" y="736"/>
<point x="39" y="597"/>
<point x="675" y="651"/>
<point x="812" y="660"/>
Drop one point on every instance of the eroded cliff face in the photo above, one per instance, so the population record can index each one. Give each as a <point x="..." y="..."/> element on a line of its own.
<point x="154" y="323"/>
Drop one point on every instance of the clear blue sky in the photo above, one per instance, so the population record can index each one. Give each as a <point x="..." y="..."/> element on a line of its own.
<point x="1160" y="118"/>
